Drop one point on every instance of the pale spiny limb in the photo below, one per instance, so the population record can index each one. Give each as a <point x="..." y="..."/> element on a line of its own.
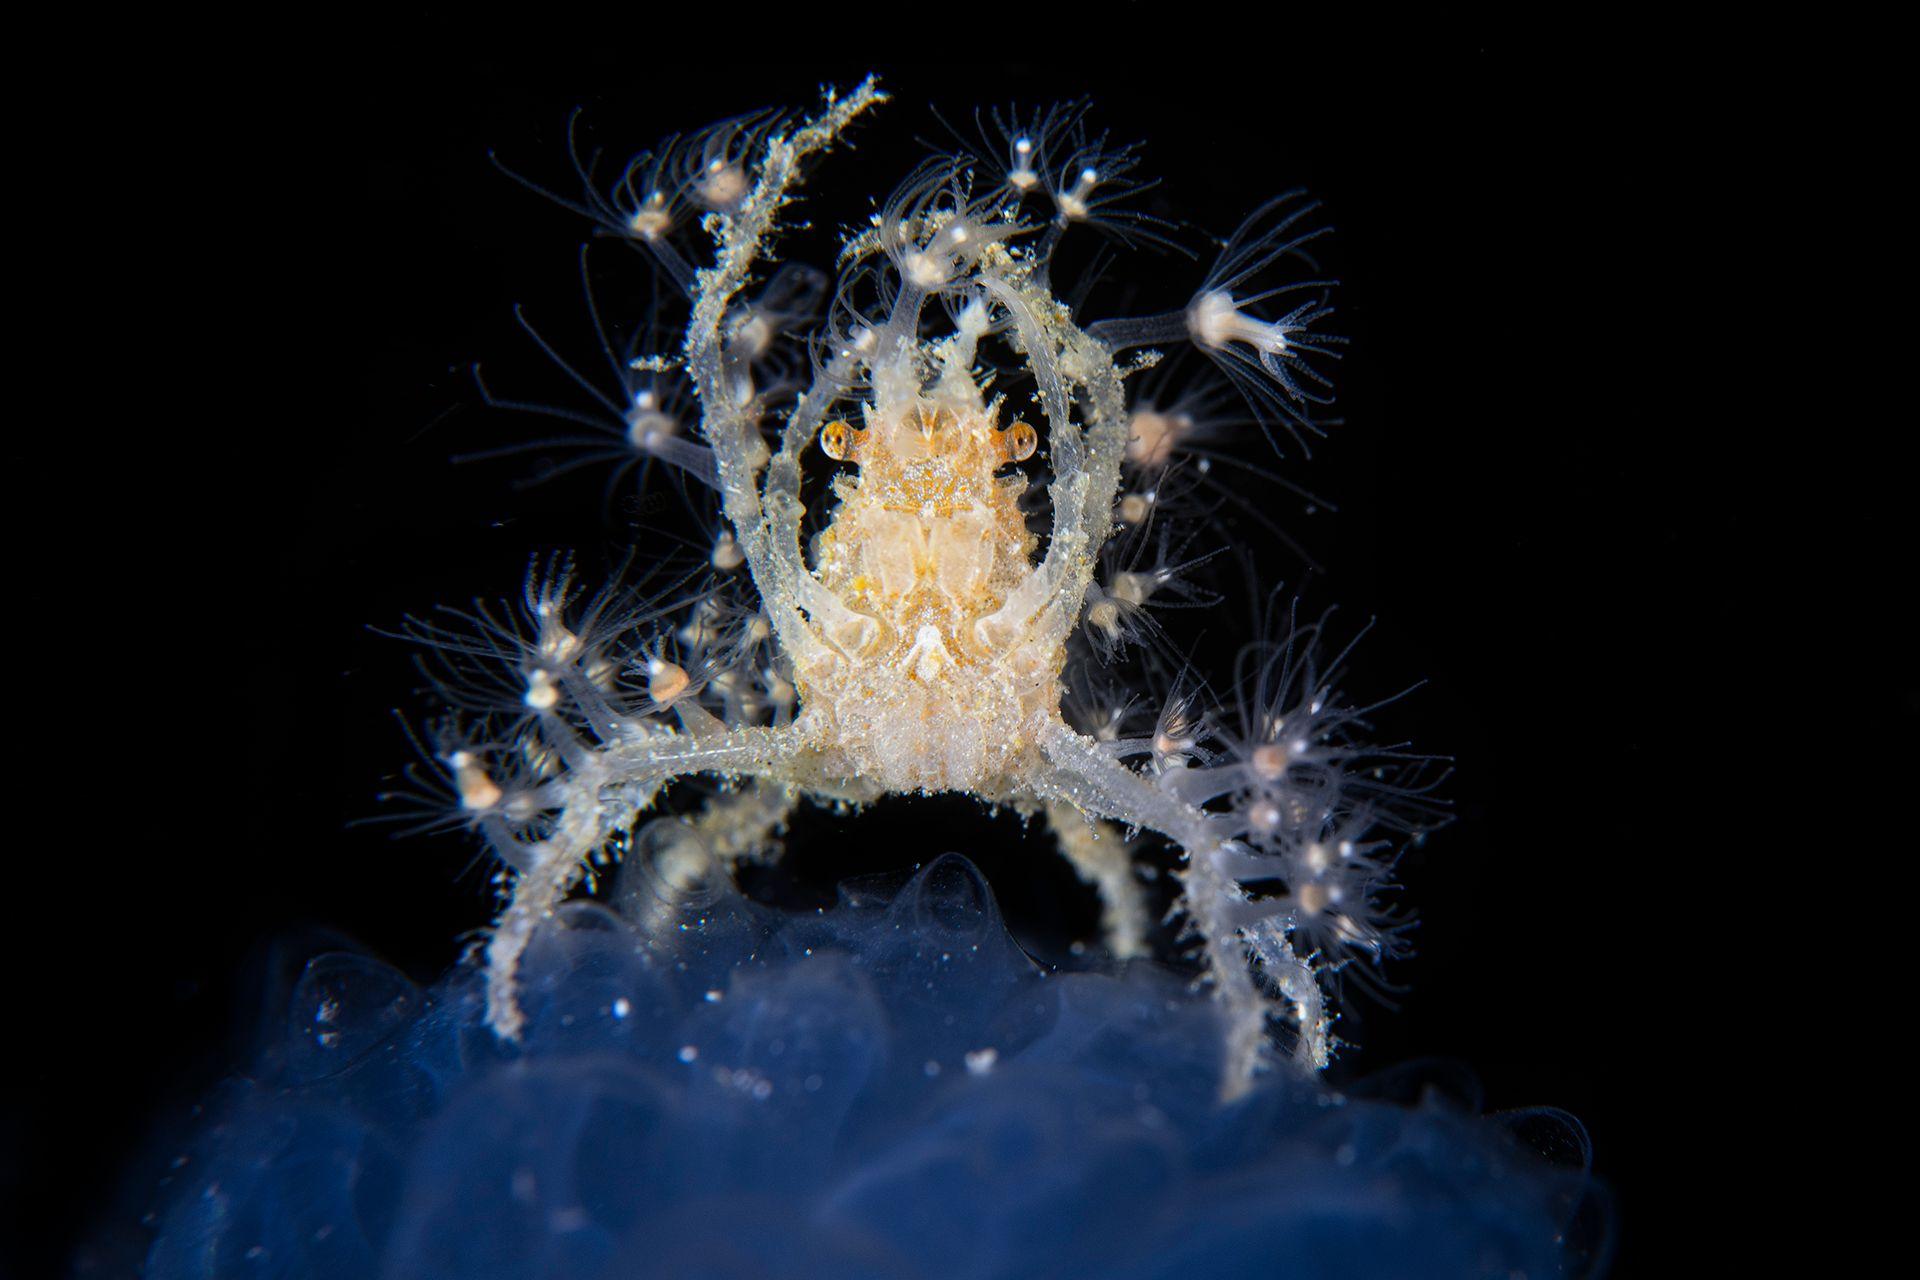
<point x="676" y="861"/>
<point x="1086" y="776"/>
<point x="740" y="826"/>
<point x="1085" y="460"/>
<point x="733" y="429"/>
<point x="1099" y="854"/>
<point x="603" y="793"/>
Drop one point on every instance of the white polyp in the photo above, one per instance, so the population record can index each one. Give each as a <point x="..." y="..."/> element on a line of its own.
<point x="1131" y="588"/>
<point x="1214" y="320"/>
<point x="1153" y="436"/>
<point x="647" y="426"/>
<point x="542" y="693"/>
<point x="1270" y="760"/>
<point x="478" y="792"/>
<point x="1022" y="176"/>
<point x="652" y="221"/>
<point x="1314" y="857"/>
<point x="666" y="680"/>
<point x="558" y="646"/>
<point x="925" y="269"/>
<point x="1073" y="203"/>
<point x="722" y="185"/>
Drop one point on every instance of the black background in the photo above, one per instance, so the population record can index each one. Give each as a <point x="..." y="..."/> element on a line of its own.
<point x="1533" y="504"/>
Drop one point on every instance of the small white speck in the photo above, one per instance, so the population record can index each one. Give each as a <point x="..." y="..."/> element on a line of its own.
<point x="981" y="1061"/>
<point x="688" y="1052"/>
<point x="622" y="1007"/>
<point x="714" y="997"/>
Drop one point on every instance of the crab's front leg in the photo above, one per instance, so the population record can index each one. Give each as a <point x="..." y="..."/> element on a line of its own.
<point x="759" y="491"/>
<point x="1085" y="775"/>
<point x="606" y="792"/>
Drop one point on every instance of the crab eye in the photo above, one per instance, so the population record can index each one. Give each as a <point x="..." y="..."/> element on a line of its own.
<point x="1018" y="442"/>
<point x="840" y="441"/>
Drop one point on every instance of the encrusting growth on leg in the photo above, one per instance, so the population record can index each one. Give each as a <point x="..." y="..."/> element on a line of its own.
<point x="1101" y="856"/>
<point x="741" y="826"/>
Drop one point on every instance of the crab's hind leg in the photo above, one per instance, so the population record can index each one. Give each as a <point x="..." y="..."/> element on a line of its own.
<point x="1100" y="854"/>
<point x="742" y="825"/>
<point x="1084" y="775"/>
<point x="675" y="863"/>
